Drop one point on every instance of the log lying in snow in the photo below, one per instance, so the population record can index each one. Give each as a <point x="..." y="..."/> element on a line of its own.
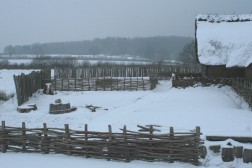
<point x="27" y="108"/>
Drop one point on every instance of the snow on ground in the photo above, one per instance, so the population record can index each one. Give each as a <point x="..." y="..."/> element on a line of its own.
<point x="218" y="111"/>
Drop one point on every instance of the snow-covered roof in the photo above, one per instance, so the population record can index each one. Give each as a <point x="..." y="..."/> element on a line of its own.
<point x="224" y="39"/>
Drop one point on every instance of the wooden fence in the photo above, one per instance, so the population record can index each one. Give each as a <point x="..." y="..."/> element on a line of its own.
<point x="244" y="89"/>
<point x="125" y="146"/>
<point x="105" y="84"/>
<point x="26" y="85"/>
<point x="162" y="71"/>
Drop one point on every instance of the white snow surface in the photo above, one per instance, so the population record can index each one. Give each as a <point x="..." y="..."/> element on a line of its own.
<point x="221" y="42"/>
<point x="218" y="111"/>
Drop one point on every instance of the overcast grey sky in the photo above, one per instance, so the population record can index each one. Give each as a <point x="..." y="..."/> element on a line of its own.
<point x="30" y="21"/>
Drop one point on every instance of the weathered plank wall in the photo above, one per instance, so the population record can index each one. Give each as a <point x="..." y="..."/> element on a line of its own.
<point x="26" y="85"/>
<point x="125" y="146"/>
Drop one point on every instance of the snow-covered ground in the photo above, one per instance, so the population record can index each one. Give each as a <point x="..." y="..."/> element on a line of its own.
<point x="218" y="111"/>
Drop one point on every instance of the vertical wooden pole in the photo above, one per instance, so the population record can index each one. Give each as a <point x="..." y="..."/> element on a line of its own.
<point x="171" y="151"/>
<point x="62" y="84"/>
<point x="5" y="136"/>
<point x="143" y="83"/>
<point x="55" y="83"/>
<point x="24" y="137"/>
<point x="126" y="152"/>
<point x="89" y="84"/>
<point x="109" y="141"/>
<point x="124" y="84"/>
<point x="130" y="83"/>
<point x="86" y="140"/>
<point x="68" y="84"/>
<point x="75" y="84"/>
<point x="196" y="148"/>
<point x="45" y="145"/>
<point x="137" y="83"/>
<point x="82" y="83"/>
<point x="68" y="138"/>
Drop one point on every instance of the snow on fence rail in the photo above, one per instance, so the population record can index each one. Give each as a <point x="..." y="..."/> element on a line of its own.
<point x="125" y="146"/>
<point x="95" y="84"/>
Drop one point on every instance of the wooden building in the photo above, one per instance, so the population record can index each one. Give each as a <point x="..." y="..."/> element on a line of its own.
<point x="224" y="45"/>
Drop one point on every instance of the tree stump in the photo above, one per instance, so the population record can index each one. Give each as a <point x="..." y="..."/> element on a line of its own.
<point x="61" y="108"/>
<point x="215" y="148"/>
<point x="227" y="154"/>
<point x="238" y="151"/>
<point x="202" y="151"/>
<point x="247" y="155"/>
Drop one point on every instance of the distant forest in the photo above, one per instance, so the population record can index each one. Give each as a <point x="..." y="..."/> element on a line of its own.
<point x="156" y="48"/>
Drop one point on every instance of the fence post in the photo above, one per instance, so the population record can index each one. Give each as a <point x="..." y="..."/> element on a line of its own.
<point x="171" y="151"/>
<point x="137" y="83"/>
<point x="124" y="83"/>
<point x="68" y="84"/>
<point x="23" y="137"/>
<point x="111" y="83"/>
<point x="62" y="84"/>
<point x="130" y="83"/>
<point x="86" y="140"/>
<point x="45" y="145"/>
<point x="4" y="136"/>
<point x="75" y="84"/>
<point x="109" y="141"/>
<point x="67" y="139"/>
<point x="55" y="83"/>
<point x="143" y="83"/>
<point x="126" y="151"/>
<point x="197" y="139"/>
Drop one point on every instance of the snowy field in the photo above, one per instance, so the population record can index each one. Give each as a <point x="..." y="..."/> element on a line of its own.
<point x="218" y="111"/>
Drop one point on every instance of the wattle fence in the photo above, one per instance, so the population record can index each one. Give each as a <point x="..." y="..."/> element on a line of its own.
<point x="104" y="84"/>
<point x="126" y="146"/>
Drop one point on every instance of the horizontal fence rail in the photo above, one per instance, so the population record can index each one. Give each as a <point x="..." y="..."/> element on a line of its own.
<point x="104" y="84"/>
<point x="125" y="146"/>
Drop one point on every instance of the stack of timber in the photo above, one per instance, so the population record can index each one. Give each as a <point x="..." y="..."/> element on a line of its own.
<point x="124" y="146"/>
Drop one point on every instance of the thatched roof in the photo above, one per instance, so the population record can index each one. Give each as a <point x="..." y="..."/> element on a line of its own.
<point x="224" y="40"/>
